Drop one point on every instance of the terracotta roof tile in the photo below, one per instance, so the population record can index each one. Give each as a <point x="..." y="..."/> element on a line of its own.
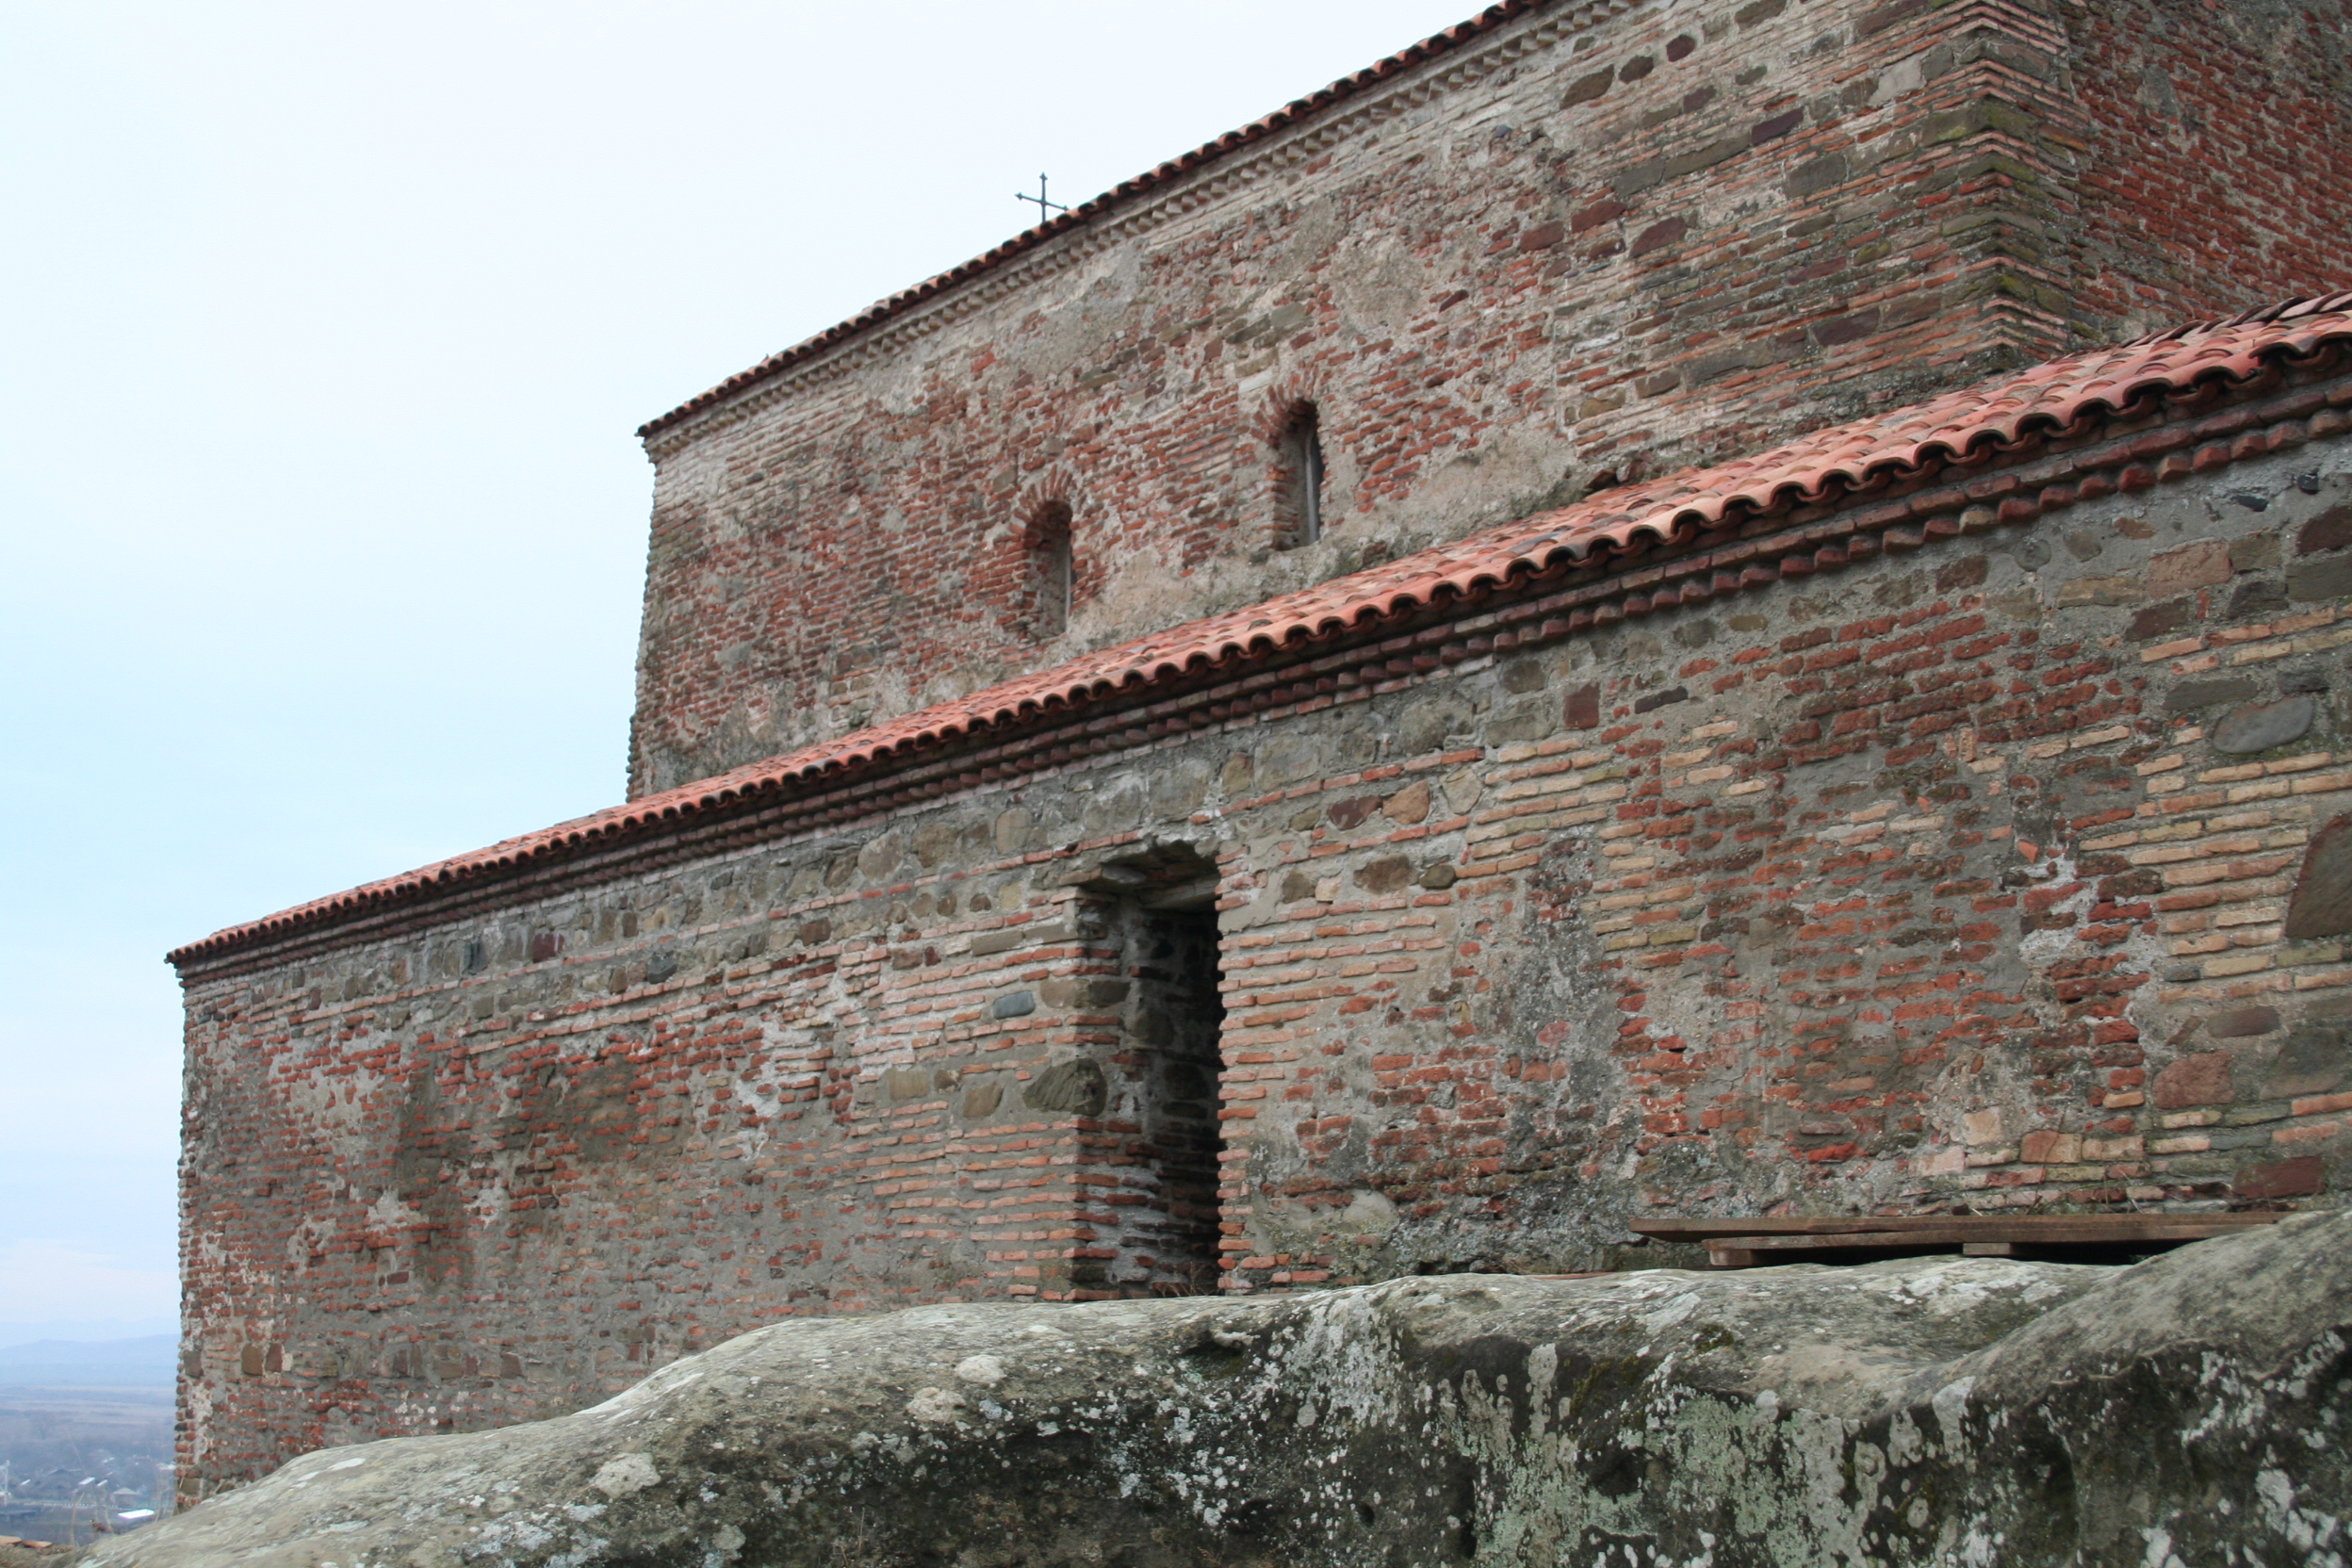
<point x="2051" y="400"/>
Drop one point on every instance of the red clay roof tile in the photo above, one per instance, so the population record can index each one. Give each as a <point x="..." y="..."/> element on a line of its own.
<point x="2049" y="399"/>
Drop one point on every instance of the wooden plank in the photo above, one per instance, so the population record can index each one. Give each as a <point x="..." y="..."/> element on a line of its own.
<point x="2009" y="1235"/>
<point x="1846" y="1241"/>
<point x="2119" y="1227"/>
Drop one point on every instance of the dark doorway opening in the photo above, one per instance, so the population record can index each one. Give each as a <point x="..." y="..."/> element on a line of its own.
<point x="1154" y="1171"/>
<point x="1177" y="1017"/>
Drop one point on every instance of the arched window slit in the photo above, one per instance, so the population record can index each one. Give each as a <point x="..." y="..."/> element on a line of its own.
<point x="1302" y="475"/>
<point x="1052" y="568"/>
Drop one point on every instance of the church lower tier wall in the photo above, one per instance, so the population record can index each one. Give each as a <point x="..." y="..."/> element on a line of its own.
<point x="1999" y="871"/>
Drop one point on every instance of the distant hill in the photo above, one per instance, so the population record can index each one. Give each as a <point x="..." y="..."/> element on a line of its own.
<point x="142" y="1362"/>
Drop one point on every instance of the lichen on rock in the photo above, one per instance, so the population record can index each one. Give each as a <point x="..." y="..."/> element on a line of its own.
<point x="2189" y="1409"/>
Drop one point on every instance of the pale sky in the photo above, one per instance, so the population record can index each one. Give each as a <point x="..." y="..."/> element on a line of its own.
<point x="325" y="329"/>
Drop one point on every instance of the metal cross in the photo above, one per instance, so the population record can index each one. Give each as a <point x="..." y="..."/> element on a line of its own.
<point x="1045" y="209"/>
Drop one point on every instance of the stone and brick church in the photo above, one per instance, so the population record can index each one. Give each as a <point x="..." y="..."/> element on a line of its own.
<point x="1698" y="606"/>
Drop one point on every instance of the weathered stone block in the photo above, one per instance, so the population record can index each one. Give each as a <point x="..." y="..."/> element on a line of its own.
<point x="2322" y="901"/>
<point x="2259" y="726"/>
<point x="2069" y="1413"/>
<point x="2276" y="1179"/>
<point x="2201" y="564"/>
<point x="2330" y="531"/>
<point x="2198" y="1080"/>
<point x="2190" y="695"/>
<point x="2320" y="579"/>
<point x="1076" y="1087"/>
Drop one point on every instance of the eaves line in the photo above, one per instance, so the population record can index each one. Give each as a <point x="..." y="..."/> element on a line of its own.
<point x="2184" y="433"/>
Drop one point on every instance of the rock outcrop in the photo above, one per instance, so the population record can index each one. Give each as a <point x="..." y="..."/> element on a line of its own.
<point x="2187" y="1411"/>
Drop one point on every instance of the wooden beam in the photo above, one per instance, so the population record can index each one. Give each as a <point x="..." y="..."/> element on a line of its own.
<point x="1974" y="1236"/>
<point x="1957" y="1235"/>
<point x="1962" y="1227"/>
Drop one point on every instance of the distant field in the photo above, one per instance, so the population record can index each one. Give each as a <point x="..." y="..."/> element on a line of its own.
<point x="83" y="1428"/>
<point x="143" y="1363"/>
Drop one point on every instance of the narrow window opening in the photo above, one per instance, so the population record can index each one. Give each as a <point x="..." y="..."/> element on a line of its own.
<point x="1302" y="466"/>
<point x="1051" y="571"/>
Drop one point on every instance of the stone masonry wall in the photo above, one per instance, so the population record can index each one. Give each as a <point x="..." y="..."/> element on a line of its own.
<point x="1993" y="871"/>
<point x="1964" y="879"/>
<point x="1601" y="240"/>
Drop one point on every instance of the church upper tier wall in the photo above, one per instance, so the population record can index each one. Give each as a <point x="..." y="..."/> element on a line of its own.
<point x="1587" y="241"/>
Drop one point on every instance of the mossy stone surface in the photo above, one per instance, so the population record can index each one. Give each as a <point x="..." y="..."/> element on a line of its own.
<point x="1934" y="1411"/>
